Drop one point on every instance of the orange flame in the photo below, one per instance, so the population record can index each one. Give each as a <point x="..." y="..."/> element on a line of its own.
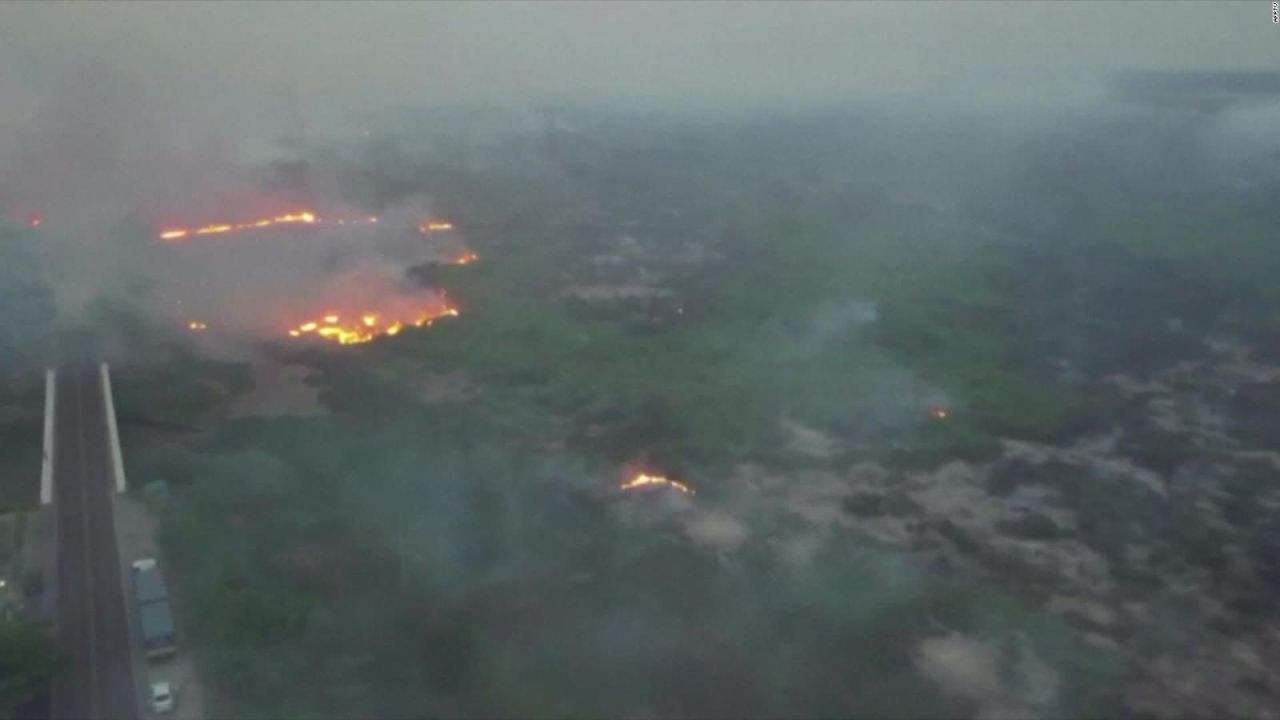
<point x="213" y="229"/>
<point x="196" y="326"/>
<point x="435" y="226"/>
<point x="646" y="480"/>
<point x="368" y="327"/>
<point x="302" y="217"/>
<point x="466" y="259"/>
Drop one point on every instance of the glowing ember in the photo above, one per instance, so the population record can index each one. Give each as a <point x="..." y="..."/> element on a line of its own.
<point x="646" y="480"/>
<point x="36" y="220"/>
<point x="431" y="227"/>
<point x="213" y="229"/>
<point x="939" y="412"/>
<point x="369" y="326"/>
<point x="302" y="217"/>
<point x="466" y="259"/>
<point x="196" y="326"/>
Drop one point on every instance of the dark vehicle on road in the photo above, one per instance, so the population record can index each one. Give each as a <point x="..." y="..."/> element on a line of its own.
<point x="155" y="620"/>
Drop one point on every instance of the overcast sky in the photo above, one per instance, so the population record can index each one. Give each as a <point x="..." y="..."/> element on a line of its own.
<point x="89" y="88"/>
<point x="151" y="108"/>
<point x="664" y="53"/>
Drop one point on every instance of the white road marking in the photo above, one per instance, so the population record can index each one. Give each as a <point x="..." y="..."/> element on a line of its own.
<point x="113" y="432"/>
<point x="46" y="465"/>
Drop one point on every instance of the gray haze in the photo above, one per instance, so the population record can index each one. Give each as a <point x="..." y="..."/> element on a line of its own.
<point x="696" y="54"/>
<point x="162" y="113"/>
<point x="140" y="94"/>
<point x="820" y="260"/>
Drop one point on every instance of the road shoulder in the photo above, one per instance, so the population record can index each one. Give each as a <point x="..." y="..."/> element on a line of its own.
<point x="135" y="536"/>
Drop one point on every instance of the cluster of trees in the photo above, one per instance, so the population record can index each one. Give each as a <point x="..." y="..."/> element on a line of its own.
<point x="27" y="663"/>
<point x="28" y="311"/>
<point x="435" y="564"/>
<point x="326" y="570"/>
<point x="28" y="327"/>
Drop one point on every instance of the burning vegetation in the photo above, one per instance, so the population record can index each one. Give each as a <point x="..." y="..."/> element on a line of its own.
<point x="365" y="327"/>
<point x="302" y="217"/>
<point x="645" y="480"/>
<point x="337" y="289"/>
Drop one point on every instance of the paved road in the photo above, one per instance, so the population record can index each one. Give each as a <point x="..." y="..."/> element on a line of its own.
<point x="93" y="629"/>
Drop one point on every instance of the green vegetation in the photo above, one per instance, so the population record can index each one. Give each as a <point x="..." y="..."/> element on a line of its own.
<point x="328" y="577"/>
<point x="445" y="558"/>
<point x="28" y="314"/>
<point x="20" y="463"/>
<point x="1232" y="245"/>
<point x="28" y="321"/>
<point x="713" y="386"/>
<point x="450" y="541"/>
<point x="27" y="662"/>
<point x="182" y="392"/>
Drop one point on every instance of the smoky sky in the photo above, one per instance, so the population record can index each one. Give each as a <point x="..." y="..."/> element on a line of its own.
<point x="160" y="112"/>
<point x="233" y="58"/>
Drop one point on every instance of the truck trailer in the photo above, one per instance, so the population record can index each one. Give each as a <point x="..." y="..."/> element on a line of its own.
<point x="155" y="620"/>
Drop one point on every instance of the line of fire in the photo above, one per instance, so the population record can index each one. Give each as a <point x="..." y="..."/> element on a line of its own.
<point x="301" y="217"/>
<point x="351" y="326"/>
